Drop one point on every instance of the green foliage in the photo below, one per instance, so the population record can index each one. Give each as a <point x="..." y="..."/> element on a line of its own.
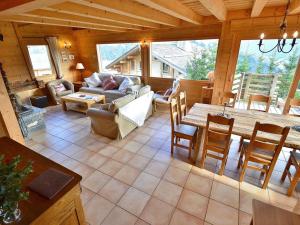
<point x="11" y="178"/>
<point x="243" y="65"/>
<point x="202" y="63"/>
<point x="272" y="65"/>
<point x="260" y="65"/>
<point x="288" y="74"/>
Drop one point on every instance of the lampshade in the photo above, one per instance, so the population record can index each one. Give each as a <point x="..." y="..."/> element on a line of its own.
<point x="79" y="66"/>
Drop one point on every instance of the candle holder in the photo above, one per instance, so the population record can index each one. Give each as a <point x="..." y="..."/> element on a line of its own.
<point x="226" y="115"/>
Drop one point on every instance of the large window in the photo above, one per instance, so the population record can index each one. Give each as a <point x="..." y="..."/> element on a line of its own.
<point x="40" y="60"/>
<point x="183" y="59"/>
<point x="122" y="58"/>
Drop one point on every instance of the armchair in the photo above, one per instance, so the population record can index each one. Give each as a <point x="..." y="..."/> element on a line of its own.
<point x="57" y="95"/>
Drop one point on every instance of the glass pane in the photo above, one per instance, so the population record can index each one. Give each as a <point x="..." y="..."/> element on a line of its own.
<point x="264" y="73"/>
<point x="183" y="59"/>
<point x="40" y="59"/>
<point x="120" y="58"/>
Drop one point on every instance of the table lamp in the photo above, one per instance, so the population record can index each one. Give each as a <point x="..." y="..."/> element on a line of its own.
<point x="80" y="67"/>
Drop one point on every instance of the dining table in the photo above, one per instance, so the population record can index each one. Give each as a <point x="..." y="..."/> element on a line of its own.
<point x="244" y="122"/>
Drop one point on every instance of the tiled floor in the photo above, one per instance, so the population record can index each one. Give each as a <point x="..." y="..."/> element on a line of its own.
<point x="136" y="181"/>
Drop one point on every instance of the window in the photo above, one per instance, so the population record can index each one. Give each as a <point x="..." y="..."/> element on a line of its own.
<point x="183" y="59"/>
<point x="120" y="58"/>
<point x="40" y="59"/>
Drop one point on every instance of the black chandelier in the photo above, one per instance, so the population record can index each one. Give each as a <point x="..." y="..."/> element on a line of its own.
<point x="281" y="43"/>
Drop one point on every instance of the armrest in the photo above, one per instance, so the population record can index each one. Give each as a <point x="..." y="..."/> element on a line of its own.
<point x="101" y="114"/>
<point x="133" y="89"/>
<point x="84" y="84"/>
<point x="68" y="85"/>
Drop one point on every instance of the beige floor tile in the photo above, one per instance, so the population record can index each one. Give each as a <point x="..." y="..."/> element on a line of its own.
<point x="83" y="156"/>
<point x="96" y="146"/>
<point x="199" y="184"/>
<point x="97" y="209"/>
<point x="109" y="150"/>
<point x="119" y="216"/>
<point x="227" y="180"/>
<point x="244" y="218"/>
<point x="134" y="201"/>
<point x="96" y="161"/>
<point x="146" y="183"/>
<point x="84" y="170"/>
<point x="127" y="174"/>
<point x="225" y="194"/>
<point x="202" y="172"/>
<point x="133" y="146"/>
<point x="139" y="162"/>
<point x="220" y="214"/>
<point x="181" y="165"/>
<point x="113" y="190"/>
<point x="71" y="150"/>
<point x="157" y="212"/>
<point x="86" y="195"/>
<point x="147" y="151"/>
<point x="58" y="157"/>
<point x="176" y="176"/>
<point x="123" y="156"/>
<point x="141" y="138"/>
<point x="282" y="200"/>
<point x="179" y="218"/>
<point x="96" y="181"/>
<point x="168" y="192"/>
<point x="111" y="167"/>
<point x="141" y="222"/>
<point x="156" y="168"/>
<point x="163" y="156"/>
<point x="193" y="203"/>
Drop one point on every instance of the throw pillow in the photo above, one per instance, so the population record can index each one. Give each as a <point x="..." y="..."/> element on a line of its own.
<point x="59" y="88"/>
<point x="125" y="84"/>
<point x="93" y="80"/>
<point x="110" y="85"/>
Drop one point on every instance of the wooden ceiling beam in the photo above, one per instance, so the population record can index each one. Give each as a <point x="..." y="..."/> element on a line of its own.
<point x="28" y="5"/>
<point x="216" y="7"/>
<point x="174" y="8"/>
<point x="42" y="13"/>
<point x="82" y="10"/>
<point x="38" y="20"/>
<point x="132" y="9"/>
<point x="258" y="7"/>
<point x="295" y="7"/>
<point x="7" y="4"/>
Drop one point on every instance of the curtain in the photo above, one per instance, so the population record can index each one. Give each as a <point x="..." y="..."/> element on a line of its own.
<point x="55" y="54"/>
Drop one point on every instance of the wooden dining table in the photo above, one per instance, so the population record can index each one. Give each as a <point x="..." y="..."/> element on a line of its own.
<point x="244" y="121"/>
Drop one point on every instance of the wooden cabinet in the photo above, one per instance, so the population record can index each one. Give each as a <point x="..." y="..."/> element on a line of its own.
<point x="77" y="85"/>
<point x="64" y="209"/>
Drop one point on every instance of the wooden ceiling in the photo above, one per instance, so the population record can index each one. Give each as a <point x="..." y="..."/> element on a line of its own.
<point x="128" y="15"/>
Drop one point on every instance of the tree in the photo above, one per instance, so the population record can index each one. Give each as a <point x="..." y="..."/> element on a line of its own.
<point x="260" y="64"/>
<point x="201" y="63"/>
<point x="288" y="73"/>
<point x="272" y="64"/>
<point x="243" y="64"/>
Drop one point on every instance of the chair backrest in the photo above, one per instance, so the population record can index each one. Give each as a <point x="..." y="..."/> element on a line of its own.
<point x="268" y="150"/>
<point x="218" y="139"/>
<point x="229" y="98"/>
<point x="175" y="90"/>
<point x="262" y="99"/>
<point x="294" y="103"/>
<point x="174" y="113"/>
<point x="182" y="104"/>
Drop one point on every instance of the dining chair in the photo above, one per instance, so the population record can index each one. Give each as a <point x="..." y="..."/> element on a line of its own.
<point x="259" y="98"/>
<point x="229" y="98"/>
<point x="294" y="103"/>
<point x="182" y="104"/>
<point x="217" y="140"/>
<point x="294" y="160"/>
<point x="262" y="151"/>
<point x="181" y="131"/>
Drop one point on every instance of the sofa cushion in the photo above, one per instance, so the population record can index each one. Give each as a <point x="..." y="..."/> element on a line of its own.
<point x="109" y="84"/>
<point x="119" y="78"/>
<point x="59" y="88"/>
<point x="97" y="90"/>
<point x="64" y="93"/>
<point x="125" y="84"/>
<point x="113" y="94"/>
<point x="93" y="80"/>
<point x="118" y="103"/>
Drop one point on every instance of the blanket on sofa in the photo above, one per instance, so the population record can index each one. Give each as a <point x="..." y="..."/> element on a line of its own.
<point x="137" y="110"/>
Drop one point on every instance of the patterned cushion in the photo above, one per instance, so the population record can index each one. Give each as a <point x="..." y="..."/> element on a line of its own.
<point x="109" y="84"/>
<point x="59" y="88"/>
<point x="125" y="84"/>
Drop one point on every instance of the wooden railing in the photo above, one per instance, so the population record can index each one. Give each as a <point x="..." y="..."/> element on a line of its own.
<point x="245" y="84"/>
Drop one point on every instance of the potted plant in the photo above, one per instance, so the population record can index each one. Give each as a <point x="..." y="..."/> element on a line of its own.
<point x="11" y="193"/>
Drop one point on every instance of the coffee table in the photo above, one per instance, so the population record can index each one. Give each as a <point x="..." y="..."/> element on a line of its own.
<point x="82" y="100"/>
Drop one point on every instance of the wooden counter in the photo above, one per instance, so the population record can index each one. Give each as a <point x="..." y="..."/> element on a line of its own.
<point x="64" y="209"/>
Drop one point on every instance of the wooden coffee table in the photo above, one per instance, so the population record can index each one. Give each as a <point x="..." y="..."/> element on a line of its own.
<point x="83" y="101"/>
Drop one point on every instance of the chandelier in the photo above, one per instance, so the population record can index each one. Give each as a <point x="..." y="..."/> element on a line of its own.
<point x="282" y="42"/>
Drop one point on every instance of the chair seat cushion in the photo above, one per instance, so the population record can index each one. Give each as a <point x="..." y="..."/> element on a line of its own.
<point x="160" y="99"/>
<point x="64" y="93"/>
<point x="185" y="129"/>
<point x="59" y="88"/>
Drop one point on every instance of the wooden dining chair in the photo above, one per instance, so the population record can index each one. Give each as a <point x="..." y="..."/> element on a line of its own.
<point x="182" y="104"/>
<point x="294" y="103"/>
<point x="229" y="98"/>
<point x="294" y="160"/>
<point x="262" y="99"/>
<point x="181" y="131"/>
<point x="261" y="151"/>
<point x="217" y="140"/>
